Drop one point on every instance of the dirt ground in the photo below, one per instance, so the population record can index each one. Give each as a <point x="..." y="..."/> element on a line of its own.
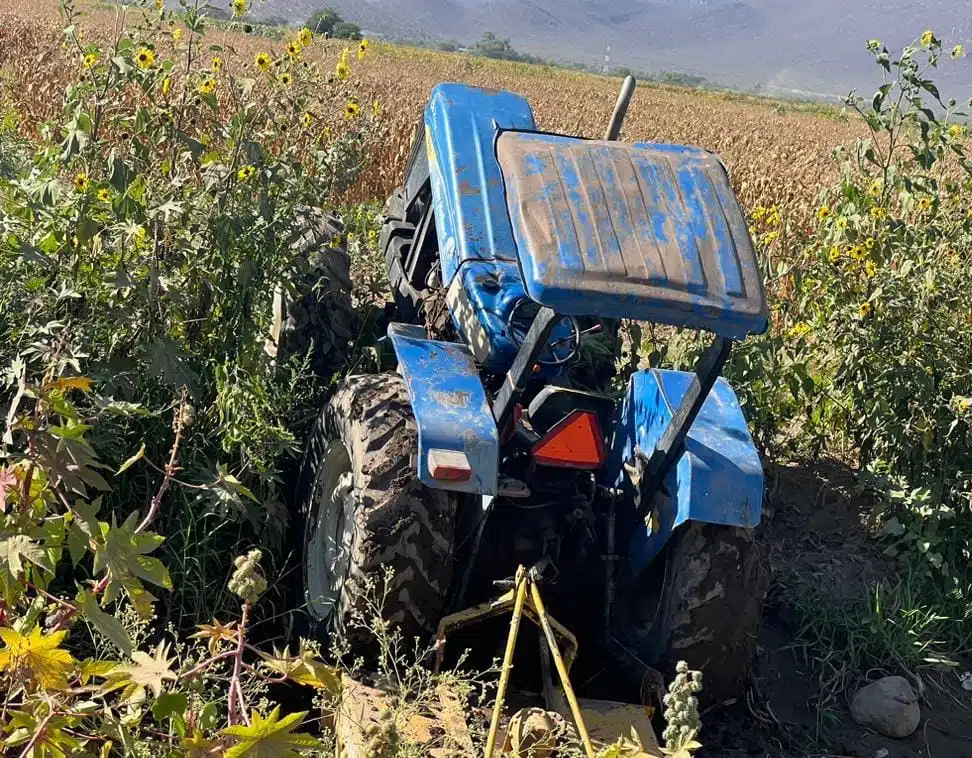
<point x="815" y="539"/>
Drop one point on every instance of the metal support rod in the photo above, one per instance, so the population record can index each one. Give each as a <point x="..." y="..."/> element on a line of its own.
<point x="521" y="591"/>
<point x="620" y="109"/>
<point x="575" y="708"/>
<point x="669" y="447"/>
<point x="534" y="343"/>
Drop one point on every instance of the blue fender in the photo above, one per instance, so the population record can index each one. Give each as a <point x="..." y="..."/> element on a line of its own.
<point x="717" y="480"/>
<point x="450" y="407"/>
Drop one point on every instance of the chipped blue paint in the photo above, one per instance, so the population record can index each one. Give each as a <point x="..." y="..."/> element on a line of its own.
<point x="649" y="232"/>
<point x="719" y="477"/>
<point x="450" y="406"/>
<point x="467" y="195"/>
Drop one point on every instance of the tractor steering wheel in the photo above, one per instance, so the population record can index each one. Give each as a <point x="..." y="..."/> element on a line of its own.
<point x="566" y="332"/>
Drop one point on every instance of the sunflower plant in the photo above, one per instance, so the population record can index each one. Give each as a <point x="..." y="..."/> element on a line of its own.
<point x="140" y="249"/>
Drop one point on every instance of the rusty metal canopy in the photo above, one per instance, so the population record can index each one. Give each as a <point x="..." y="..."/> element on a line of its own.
<point x="643" y="231"/>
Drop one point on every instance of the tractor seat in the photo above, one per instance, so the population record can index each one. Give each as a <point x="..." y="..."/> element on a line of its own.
<point x="644" y="231"/>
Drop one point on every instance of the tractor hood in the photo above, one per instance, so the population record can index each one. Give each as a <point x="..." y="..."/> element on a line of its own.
<point x="645" y="231"/>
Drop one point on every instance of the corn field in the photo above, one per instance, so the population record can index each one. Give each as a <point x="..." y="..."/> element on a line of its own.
<point x="777" y="153"/>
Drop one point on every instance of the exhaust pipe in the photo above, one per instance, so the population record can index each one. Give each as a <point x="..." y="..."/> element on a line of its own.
<point x="620" y="108"/>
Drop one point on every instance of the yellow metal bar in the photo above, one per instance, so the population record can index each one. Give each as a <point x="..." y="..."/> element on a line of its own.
<point x="522" y="580"/>
<point x="561" y="670"/>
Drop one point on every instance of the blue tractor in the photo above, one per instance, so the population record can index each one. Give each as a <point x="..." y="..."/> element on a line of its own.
<point x="513" y="256"/>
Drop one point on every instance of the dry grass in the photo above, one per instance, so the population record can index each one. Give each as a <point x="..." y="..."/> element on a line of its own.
<point x="776" y="153"/>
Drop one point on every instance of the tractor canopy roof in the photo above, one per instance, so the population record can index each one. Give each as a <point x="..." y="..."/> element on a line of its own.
<point x="650" y="232"/>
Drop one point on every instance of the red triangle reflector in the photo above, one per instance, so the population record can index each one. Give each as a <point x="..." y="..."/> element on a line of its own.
<point x="573" y="442"/>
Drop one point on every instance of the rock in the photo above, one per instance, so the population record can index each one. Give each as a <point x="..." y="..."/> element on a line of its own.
<point x="889" y="706"/>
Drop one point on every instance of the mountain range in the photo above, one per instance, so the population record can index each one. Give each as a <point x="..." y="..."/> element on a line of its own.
<point x="802" y="47"/>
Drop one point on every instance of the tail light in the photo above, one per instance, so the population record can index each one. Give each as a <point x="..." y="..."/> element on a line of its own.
<point x="449" y="466"/>
<point x="573" y="442"/>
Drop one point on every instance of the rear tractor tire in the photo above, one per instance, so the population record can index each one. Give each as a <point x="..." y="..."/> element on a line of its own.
<point x="707" y="611"/>
<point x="365" y="511"/>
<point x="314" y="306"/>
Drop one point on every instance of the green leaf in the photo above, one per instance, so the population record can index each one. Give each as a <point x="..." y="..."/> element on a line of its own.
<point x="122" y="553"/>
<point x="104" y="623"/>
<point x="132" y="461"/>
<point x="14" y="551"/>
<point x="123" y="65"/>
<point x="169" y="704"/>
<point x="271" y="737"/>
<point x="209" y="716"/>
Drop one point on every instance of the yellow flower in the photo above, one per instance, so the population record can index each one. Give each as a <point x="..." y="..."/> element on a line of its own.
<point x="878" y="212"/>
<point x="858" y="253"/>
<point x="774" y="218"/>
<point x="343" y="70"/>
<point x="955" y="131"/>
<point x="870" y="268"/>
<point x="834" y="254"/>
<point x="246" y="173"/>
<point x="81" y="182"/>
<point x="217" y="64"/>
<point x="90" y="60"/>
<point x="869" y="243"/>
<point x="770" y="237"/>
<point x="823" y="212"/>
<point x="36" y="658"/>
<point x="841" y="224"/>
<point x="307" y="119"/>
<point x="166" y="86"/>
<point x="351" y="110"/>
<point x="239" y="8"/>
<point x="924" y="204"/>
<point x="759" y="212"/>
<point x="958" y="51"/>
<point x="864" y="310"/>
<point x="208" y="86"/>
<point x="104" y="194"/>
<point x="376" y="109"/>
<point x="159" y="4"/>
<point x="305" y="37"/>
<point x="928" y="38"/>
<point x="145" y="58"/>
<point x="177" y="34"/>
<point x="286" y="78"/>
<point x="293" y="48"/>
<point x="263" y="61"/>
<point x="876" y="188"/>
<point x="799" y="330"/>
<point x="362" y="49"/>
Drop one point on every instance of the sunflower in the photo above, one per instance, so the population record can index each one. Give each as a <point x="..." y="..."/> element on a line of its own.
<point x="955" y="131"/>
<point x="351" y="110"/>
<point x="878" y="212"/>
<point x="217" y="64"/>
<point x="342" y="70"/>
<point x="177" y="34"/>
<point x="90" y="60"/>
<point x="293" y="48"/>
<point x="870" y="269"/>
<point x="263" y="61"/>
<point x="924" y="204"/>
<point x="876" y="188"/>
<point x="841" y="224"/>
<point x="239" y="8"/>
<point x="246" y="173"/>
<point x="104" y="194"/>
<point x="823" y="212"/>
<point x="834" y="254"/>
<point x="307" y="119"/>
<point x="208" y="86"/>
<point x="958" y="51"/>
<point x="145" y="58"/>
<point x="864" y="310"/>
<point x="81" y="182"/>
<point x="362" y="49"/>
<point x="928" y="38"/>
<point x="166" y="86"/>
<point x="305" y="37"/>
<point x="286" y="78"/>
